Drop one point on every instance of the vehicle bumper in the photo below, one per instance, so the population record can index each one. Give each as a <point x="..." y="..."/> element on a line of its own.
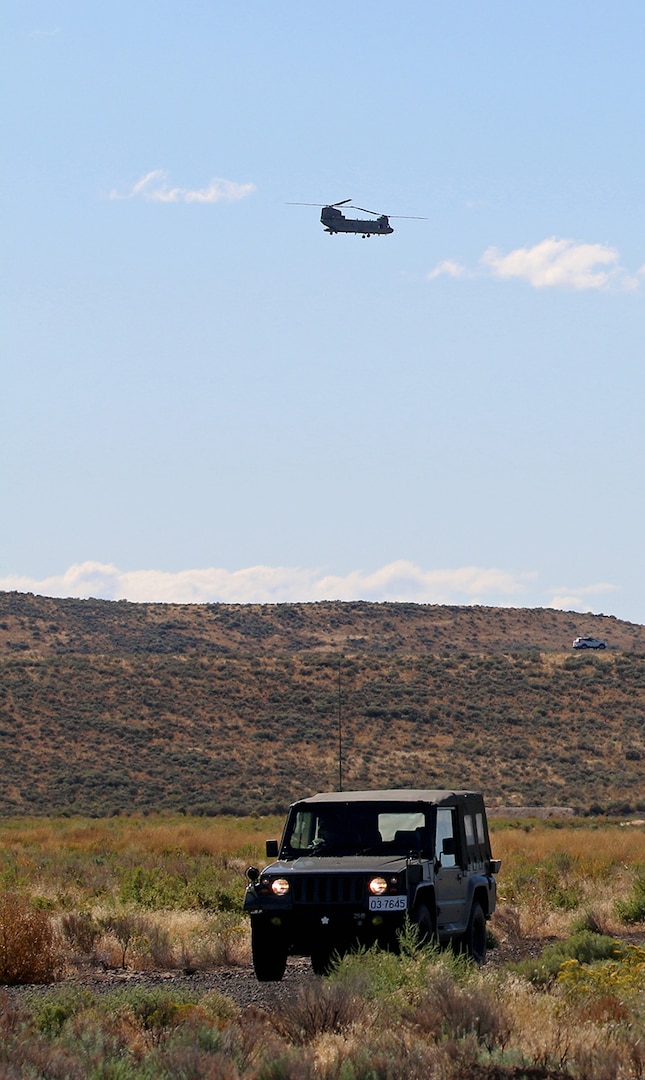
<point x="333" y="928"/>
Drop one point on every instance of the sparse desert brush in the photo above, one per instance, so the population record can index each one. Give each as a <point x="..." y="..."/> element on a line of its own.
<point x="81" y="931"/>
<point x="29" y="950"/>
<point x="386" y="1054"/>
<point x="537" y="1033"/>
<point x="320" y="1006"/>
<point x="189" y="941"/>
<point x="465" y="1009"/>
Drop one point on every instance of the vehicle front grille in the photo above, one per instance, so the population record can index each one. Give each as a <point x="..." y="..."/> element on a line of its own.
<point x="328" y="888"/>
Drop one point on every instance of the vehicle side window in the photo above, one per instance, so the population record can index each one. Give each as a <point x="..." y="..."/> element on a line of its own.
<point x="479" y="823"/>
<point x="445" y="831"/>
<point x="469" y="830"/>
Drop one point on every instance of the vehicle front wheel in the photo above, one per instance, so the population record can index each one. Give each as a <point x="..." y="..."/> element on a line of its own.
<point x="475" y="937"/>
<point x="322" y="958"/>
<point x="269" y="953"/>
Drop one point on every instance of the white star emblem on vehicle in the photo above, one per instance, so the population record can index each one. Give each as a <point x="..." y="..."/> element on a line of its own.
<point x="325" y="920"/>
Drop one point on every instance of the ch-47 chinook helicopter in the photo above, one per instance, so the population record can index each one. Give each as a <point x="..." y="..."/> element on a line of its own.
<point x="335" y="221"/>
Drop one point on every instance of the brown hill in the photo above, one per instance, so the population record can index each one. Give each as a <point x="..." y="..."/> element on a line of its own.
<point x="111" y="706"/>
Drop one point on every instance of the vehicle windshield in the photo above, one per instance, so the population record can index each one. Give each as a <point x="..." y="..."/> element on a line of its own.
<point x="356" y="829"/>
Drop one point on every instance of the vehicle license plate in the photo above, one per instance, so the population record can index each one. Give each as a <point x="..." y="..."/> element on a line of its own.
<point x="388" y="903"/>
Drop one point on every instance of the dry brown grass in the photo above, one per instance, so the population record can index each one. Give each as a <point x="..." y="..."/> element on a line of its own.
<point x="28" y="948"/>
<point x="163" y="834"/>
<point x="597" y="850"/>
<point x="552" y="877"/>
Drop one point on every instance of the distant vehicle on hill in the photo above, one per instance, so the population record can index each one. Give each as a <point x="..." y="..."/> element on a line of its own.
<point x="589" y="643"/>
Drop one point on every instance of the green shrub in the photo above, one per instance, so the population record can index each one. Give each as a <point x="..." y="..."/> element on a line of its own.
<point x="195" y="887"/>
<point x="584" y="947"/>
<point x="394" y="980"/>
<point x="156" y="1012"/>
<point x="51" y="1010"/>
<point x="632" y="910"/>
<point x="151" y="888"/>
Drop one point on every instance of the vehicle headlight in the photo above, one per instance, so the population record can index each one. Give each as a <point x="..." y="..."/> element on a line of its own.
<point x="280" y="886"/>
<point x="377" y="886"/>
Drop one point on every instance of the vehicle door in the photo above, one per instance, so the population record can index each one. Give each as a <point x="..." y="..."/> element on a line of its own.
<point x="450" y="883"/>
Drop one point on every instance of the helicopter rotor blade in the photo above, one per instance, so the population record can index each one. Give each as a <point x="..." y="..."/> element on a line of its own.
<point x="376" y="214"/>
<point x="343" y="202"/>
<point x="364" y="211"/>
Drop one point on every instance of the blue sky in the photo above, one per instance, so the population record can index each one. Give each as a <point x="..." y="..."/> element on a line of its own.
<point x="208" y="398"/>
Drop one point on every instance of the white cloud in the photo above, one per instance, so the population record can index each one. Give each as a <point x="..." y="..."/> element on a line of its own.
<point x="578" y="599"/>
<point x="398" y="581"/>
<point x="449" y="267"/>
<point x="401" y="581"/>
<point x="556" y="264"/>
<point x="154" y="187"/>
<point x="552" y="263"/>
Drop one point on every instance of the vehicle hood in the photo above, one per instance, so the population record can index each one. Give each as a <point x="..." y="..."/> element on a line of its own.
<point x="308" y="864"/>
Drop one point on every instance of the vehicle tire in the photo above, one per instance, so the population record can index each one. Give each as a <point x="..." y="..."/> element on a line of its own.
<point x="475" y="937"/>
<point x="269" y="953"/>
<point x="425" y="922"/>
<point x="321" y="960"/>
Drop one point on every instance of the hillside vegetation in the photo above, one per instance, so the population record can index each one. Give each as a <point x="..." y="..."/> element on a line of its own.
<point x="212" y="708"/>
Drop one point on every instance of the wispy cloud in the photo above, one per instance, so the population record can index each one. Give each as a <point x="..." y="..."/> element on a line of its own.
<point x="448" y="267"/>
<point x="398" y="581"/>
<point x="552" y="263"/>
<point x="154" y="187"/>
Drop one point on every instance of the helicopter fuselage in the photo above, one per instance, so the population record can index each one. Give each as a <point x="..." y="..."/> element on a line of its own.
<point x="336" y="222"/>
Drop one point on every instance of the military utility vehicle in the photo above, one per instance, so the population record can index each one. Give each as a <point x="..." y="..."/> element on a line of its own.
<point x="352" y="866"/>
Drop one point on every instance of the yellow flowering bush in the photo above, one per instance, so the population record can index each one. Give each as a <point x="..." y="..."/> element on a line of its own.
<point x="621" y="976"/>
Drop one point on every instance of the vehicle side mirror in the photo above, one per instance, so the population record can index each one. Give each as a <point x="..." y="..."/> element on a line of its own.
<point x="494" y="866"/>
<point x="449" y="846"/>
<point x="272" y="849"/>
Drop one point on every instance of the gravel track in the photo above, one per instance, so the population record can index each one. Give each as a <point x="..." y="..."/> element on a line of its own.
<point x="239" y="982"/>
